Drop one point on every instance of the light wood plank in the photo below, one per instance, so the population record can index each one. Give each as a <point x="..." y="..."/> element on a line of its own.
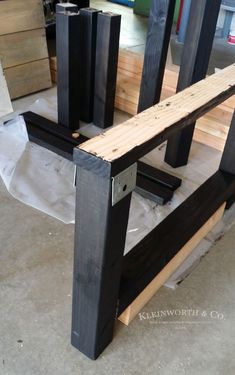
<point x="208" y="139"/>
<point x="28" y="78"/>
<point x="23" y="47"/>
<point x="20" y="15"/>
<point x="137" y="305"/>
<point x="5" y="102"/>
<point x="143" y="128"/>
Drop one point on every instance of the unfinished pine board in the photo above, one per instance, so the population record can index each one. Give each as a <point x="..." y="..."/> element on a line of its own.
<point x="208" y="139"/>
<point x="211" y="129"/>
<point x="5" y="102"/>
<point x="28" y="78"/>
<point x="135" y="137"/>
<point x="20" y="15"/>
<point x="23" y="47"/>
<point x="144" y="297"/>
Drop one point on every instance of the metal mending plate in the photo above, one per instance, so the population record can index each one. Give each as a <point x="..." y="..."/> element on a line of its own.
<point x="124" y="183"/>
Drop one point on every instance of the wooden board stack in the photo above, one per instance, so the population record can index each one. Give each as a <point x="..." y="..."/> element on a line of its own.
<point x="23" y="47"/>
<point x="211" y="129"/>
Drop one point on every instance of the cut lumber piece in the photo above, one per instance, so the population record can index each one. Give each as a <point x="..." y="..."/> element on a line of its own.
<point x="194" y="64"/>
<point x="208" y="139"/>
<point x="152" y="190"/>
<point x="28" y="78"/>
<point x="53" y="76"/>
<point x="16" y="15"/>
<point x="97" y="258"/>
<point x="53" y="63"/>
<point x="145" y="296"/>
<point x="5" y="102"/>
<point x="128" y="142"/>
<point x="23" y="47"/>
<point x="88" y="22"/>
<point x="52" y="136"/>
<point x="68" y="7"/>
<point x="53" y="128"/>
<point x="209" y="127"/>
<point x="157" y="43"/>
<point x="107" y="47"/>
<point x="228" y="159"/>
<point x="144" y="262"/>
<point x="68" y="68"/>
<point x="159" y="176"/>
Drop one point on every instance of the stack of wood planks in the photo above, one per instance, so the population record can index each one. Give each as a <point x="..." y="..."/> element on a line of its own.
<point x="23" y="47"/>
<point x="211" y="129"/>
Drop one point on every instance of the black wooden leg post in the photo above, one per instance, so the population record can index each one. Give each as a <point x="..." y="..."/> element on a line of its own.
<point x="88" y="19"/>
<point x="102" y="211"/>
<point x="107" y="47"/>
<point x="67" y="49"/>
<point x="228" y="158"/>
<point x="194" y="64"/>
<point x="158" y="37"/>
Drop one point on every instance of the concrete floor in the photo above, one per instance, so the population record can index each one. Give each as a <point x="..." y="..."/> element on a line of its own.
<point x="36" y="255"/>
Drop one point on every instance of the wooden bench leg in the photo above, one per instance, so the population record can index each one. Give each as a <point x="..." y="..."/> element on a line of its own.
<point x="228" y="159"/>
<point x="194" y="64"/>
<point x="100" y="233"/>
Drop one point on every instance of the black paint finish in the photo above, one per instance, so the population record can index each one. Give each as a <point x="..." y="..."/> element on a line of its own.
<point x="228" y="159"/>
<point x="151" y="255"/>
<point x="159" y="176"/>
<point x="68" y="66"/>
<point x="107" y="47"/>
<point x="158" y="37"/>
<point x="98" y="256"/>
<point x="194" y="64"/>
<point x="52" y="136"/>
<point x="152" y="190"/>
<point x="88" y="22"/>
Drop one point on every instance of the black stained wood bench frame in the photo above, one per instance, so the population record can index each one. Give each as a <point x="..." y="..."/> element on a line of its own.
<point x="105" y="281"/>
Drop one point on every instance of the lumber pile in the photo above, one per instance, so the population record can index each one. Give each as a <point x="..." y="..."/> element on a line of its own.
<point x="5" y="102"/>
<point x="211" y="129"/>
<point x="23" y="47"/>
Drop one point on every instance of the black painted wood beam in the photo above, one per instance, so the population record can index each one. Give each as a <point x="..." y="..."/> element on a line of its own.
<point x="98" y="256"/>
<point x="52" y="136"/>
<point x="69" y="7"/>
<point x="163" y="178"/>
<point x="152" y="254"/>
<point x="152" y="190"/>
<point x="228" y="158"/>
<point x="88" y="21"/>
<point x="194" y="64"/>
<point x="107" y="47"/>
<point x="68" y="66"/>
<point x="158" y="37"/>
